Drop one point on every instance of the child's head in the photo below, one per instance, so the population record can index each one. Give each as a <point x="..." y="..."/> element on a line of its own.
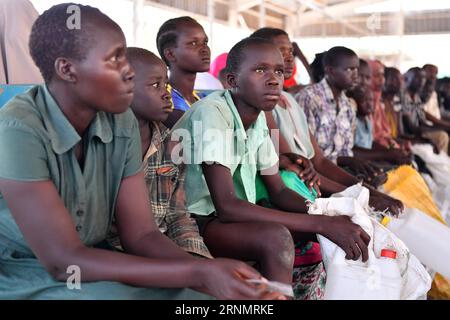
<point x="89" y="58"/>
<point x="363" y="97"/>
<point x="281" y="39"/>
<point x="365" y="75"/>
<point x="255" y="73"/>
<point x="151" y="100"/>
<point x="415" y="79"/>
<point x="393" y="81"/>
<point x="341" y="67"/>
<point x="183" y="43"/>
<point x="377" y="69"/>
<point x="317" y="69"/>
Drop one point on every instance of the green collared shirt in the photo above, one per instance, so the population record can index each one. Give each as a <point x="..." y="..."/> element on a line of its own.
<point x="37" y="143"/>
<point x="212" y="132"/>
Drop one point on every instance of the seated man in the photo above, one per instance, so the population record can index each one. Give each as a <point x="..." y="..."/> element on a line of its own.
<point x="330" y="114"/>
<point x="414" y="117"/>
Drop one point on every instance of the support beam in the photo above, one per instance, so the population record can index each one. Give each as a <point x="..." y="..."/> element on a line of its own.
<point x="262" y="14"/>
<point x="337" y="10"/>
<point x="323" y="11"/>
<point x="210" y="11"/>
<point x="138" y="22"/>
<point x="245" y="5"/>
<point x="233" y="13"/>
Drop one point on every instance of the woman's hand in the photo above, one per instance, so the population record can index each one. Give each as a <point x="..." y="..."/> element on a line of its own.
<point x="226" y="279"/>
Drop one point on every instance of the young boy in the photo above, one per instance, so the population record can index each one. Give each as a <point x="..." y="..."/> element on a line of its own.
<point x="183" y="46"/>
<point x="226" y="143"/>
<point x="364" y="147"/>
<point x="81" y="171"/>
<point x="165" y="181"/>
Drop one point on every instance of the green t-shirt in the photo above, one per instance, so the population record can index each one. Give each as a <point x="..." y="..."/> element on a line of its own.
<point x="212" y="131"/>
<point x="37" y="144"/>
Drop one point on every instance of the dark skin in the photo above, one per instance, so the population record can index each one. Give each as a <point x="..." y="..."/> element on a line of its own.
<point x="319" y="171"/>
<point x="415" y="81"/>
<point x="431" y="72"/>
<point x="340" y="77"/>
<point x="103" y="81"/>
<point x="297" y="52"/>
<point x="395" y="156"/>
<point x="365" y="75"/>
<point x="190" y="55"/>
<point x="289" y="161"/>
<point x="151" y="100"/>
<point x="151" y="103"/>
<point x="256" y="87"/>
<point x="392" y="88"/>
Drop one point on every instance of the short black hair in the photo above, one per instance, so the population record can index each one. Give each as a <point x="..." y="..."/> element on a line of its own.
<point x="52" y="38"/>
<point x="237" y="55"/>
<point x="268" y="33"/>
<point x="317" y="69"/>
<point x="413" y="70"/>
<point x="429" y="65"/>
<point x="135" y="54"/>
<point x="363" y="63"/>
<point x="390" y="72"/>
<point x="333" y="56"/>
<point x="168" y="34"/>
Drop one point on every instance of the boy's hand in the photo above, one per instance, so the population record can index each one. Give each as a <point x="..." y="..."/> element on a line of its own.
<point x="349" y="236"/>
<point x="309" y="175"/>
<point x="364" y="168"/>
<point x="225" y="279"/>
<point x="304" y="169"/>
<point x="399" y="156"/>
<point x="382" y="202"/>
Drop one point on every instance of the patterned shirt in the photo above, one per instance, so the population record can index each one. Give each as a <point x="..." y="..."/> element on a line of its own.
<point x="331" y="125"/>
<point x="165" y="184"/>
<point x="414" y="108"/>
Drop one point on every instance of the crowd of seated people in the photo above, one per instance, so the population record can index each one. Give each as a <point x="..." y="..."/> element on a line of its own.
<point x="93" y="173"/>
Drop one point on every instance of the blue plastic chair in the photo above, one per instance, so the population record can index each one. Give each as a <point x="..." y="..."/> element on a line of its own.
<point x="9" y="91"/>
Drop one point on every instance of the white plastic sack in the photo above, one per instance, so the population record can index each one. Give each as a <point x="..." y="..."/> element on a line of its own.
<point x="368" y="280"/>
<point x="441" y="196"/>
<point x="438" y="164"/>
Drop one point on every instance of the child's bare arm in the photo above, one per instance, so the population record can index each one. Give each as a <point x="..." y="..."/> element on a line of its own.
<point x="50" y="233"/>
<point x="229" y="208"/>
<point x="49" y="230"/>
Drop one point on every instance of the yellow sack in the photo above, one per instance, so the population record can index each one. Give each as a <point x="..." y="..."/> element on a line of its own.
<point x="406" y="185"/>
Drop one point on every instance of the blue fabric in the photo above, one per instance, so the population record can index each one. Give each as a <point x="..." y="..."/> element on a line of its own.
<point x="179" y="102"/>
<point x="7" y="92"/>
<point x="363" y="133"/>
